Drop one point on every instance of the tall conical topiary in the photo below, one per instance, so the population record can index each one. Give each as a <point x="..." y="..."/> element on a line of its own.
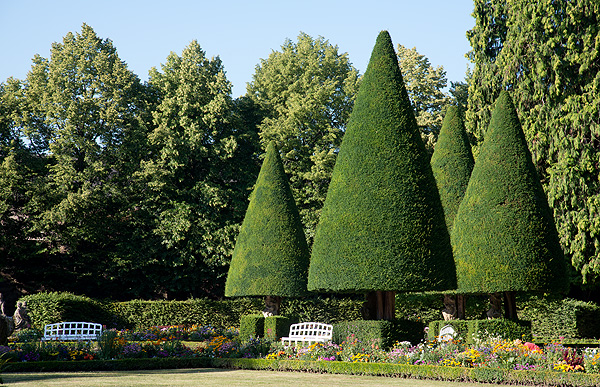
<point x="452" y="163"/>
<point x="504" y="237"/>
<point x="382" y="227"/>
<point x="271" y="255"/>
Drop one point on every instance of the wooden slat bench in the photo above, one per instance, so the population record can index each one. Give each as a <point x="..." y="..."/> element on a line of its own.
<point x="308" y="332"/>
<point x="72" y="330"/>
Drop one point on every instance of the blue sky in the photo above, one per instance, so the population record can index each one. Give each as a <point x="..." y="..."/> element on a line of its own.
<point x="240" y="32"/>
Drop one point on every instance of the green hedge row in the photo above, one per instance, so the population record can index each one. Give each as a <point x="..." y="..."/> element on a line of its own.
<point x="551" y="318"/>
<point x="465" y="329"/>
<point x="383" y="333"/>
<point x="48" y="308"/>
<point x="483" y="375"/>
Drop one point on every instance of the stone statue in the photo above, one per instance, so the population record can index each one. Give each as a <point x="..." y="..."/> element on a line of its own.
<point x="449" y="311"/>
<point x="2" y="302"/>
<point x="272" y="304"/>
<point x="496" y="306"/>
<point x="21" y="318"/>
<point x="6" y="329"/>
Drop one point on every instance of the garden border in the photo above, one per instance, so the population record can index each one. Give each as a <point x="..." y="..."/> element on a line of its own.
<point x="457" y="374"/>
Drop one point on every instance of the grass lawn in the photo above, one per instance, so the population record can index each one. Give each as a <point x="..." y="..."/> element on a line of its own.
<point x="213" y="377"/>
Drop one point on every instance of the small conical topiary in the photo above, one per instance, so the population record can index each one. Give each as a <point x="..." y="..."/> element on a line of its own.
<point x="382" y="226"/>
<point x="452" y="163"/>
<point x="504" y="237"/>
<point x="271" y="255"/>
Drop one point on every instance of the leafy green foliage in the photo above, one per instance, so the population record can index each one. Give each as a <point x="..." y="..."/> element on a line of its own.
<point x="424" y="85"/>
<point x="452" y="163"/>
<point x="504" y="238"/>
<point x="567" y="318"/>
<point x="378" y="332"/>
<point x="305" y="94"/>
<point x="194" y="182"/>
<point x="382" y="225"/>
<point x="546" y="52"/>
<point x="277" y="327"/>
<point x="252" y="326"/>
<point x="271" y="255"/>
<point x="467" y="330"/>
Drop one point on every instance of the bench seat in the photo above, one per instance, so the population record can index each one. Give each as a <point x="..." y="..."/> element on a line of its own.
<point x="72" y="330"/>
<point x="308" y="332"/>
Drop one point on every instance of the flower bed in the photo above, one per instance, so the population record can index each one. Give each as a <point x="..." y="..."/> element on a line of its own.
<point x="159" y="347"/>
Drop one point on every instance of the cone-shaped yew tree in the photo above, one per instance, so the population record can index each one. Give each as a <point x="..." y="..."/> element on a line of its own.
<point x="271" y="255"/>
<point x="504" y="237"/>
<point x="452" y="163"/>
<point x="382" y="227"/>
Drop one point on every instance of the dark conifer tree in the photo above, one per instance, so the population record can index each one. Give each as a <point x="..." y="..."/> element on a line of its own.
<point x="382" y="228"/>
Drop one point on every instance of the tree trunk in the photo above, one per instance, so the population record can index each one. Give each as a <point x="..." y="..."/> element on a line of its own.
<point x="380" y="305"/>
<point x="510" y="305"/>
<point x="461" y="302"/>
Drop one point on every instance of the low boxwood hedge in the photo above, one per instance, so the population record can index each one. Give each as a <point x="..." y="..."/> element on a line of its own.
<point x="486" y="375"/>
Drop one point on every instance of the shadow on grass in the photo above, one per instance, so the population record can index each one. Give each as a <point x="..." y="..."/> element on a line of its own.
<point x="38" y="376"/>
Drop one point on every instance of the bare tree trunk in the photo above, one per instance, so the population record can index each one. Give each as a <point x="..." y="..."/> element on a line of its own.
<point x="461" y="302"/>
<point x="379" y="305"/>
<point x="510" y="305"/>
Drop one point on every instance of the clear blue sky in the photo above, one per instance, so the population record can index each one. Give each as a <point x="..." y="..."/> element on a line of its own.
<point x="241" y="32"/>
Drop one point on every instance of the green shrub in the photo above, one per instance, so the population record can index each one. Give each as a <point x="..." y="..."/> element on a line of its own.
<point x="380" y="332"/>
<point x="467" y="329"/>
<point x="452" y="163"/>
<point x="552" y="318"/>
<point x="504" y="237"/>
<point x="271" y="254"/>
<point x="324" y="310"/>
<point x="252" y="326"/>
<point x="277" y="327"/>
<point x="382" y="226"/>
<point x="53" y="307"/>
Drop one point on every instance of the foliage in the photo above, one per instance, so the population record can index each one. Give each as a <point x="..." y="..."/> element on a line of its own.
<point x="305" y="93"/>
<point x="381" y="333"/>
<point x="546" y="52"/>
<point x="424" y="85"/>
<point x="470" y="331"/>
<point x="109" y="344"/>
<point x="452" y="163"/>
<point x="252" y="326"/>
<point x="503" y="237"/>
<point x="271" y="255"/>
<point x="565" y="319"/>
<point x="277" y="327"/>
<point x="382" y="225"/>
<point x="195" y="178"/>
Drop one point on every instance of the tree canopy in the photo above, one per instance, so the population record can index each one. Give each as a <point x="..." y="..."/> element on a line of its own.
<point x="382" y="225"/>
<point x="271" y="255"/>
<point x="305" y="92"/>
<point x="504" y="237"/>
<point x="424" y="85"/>
<point x="452" y="163"/>
<point x="546" y="53"/>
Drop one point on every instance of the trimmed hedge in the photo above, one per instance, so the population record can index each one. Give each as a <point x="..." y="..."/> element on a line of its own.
<point x="465" y="329"/>
<point x="271" y="255"/>
<point x="277" y="327"/>
<point x="380" y="332"/>
<point x="504" y="237"/>
<point x="452" y="163"/>
<point x="457" y="374"/>
<point x="553" y="318"/>
<point x="382" y="226"/>
<point x="251" y="326"/>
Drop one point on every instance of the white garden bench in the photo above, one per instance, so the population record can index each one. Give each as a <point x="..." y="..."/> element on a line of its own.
<point x="72" y="330"/>
<point x="308" y="332"/>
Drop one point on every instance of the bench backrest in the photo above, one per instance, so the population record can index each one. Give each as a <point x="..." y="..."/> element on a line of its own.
<point x="311" y="329"/>
<point x="72" y="330"/>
